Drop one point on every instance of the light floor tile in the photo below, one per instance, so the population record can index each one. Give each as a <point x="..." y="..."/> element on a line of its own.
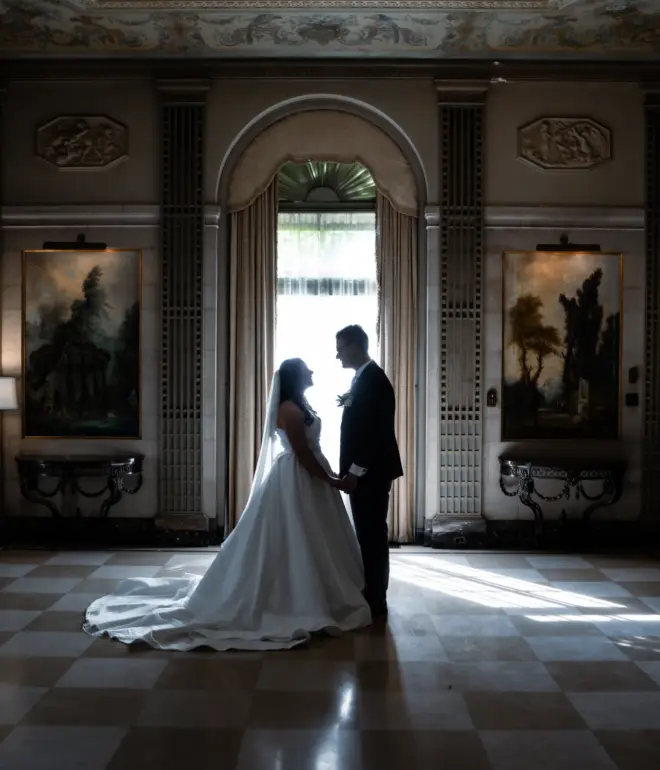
<point x="15" y="702"/>
<point x="572" y="648"/>
<point x="545" y="750"/>
<point x="59" y="748"/>
<point x="46" y="644"/>
<point x="619" y="711"/>
<point x="28" y="585"/>
<point x="16" y="620"/>
<point x="89" y="559"/>
<point x="114" y="673"/>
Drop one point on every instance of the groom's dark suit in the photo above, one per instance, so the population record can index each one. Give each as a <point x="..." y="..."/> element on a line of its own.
<point x="368" y="442"/>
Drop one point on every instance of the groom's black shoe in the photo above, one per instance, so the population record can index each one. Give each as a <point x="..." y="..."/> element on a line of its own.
<point x="378" y="609"/>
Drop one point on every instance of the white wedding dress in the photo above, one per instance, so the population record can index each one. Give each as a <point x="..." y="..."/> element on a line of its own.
<point x="290" y="568"/>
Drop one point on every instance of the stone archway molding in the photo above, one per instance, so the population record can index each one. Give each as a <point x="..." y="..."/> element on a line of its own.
<point x="323" y="134"/>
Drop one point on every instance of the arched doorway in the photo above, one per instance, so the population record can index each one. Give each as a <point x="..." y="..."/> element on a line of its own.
<point x="327" y="134"/>
<point x="326" y="276"/>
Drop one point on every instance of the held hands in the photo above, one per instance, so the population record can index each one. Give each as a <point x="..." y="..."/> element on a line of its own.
<point x="346" y="485"/>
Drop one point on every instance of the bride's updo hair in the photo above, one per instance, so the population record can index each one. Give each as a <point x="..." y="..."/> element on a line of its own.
<point x="293" y="386"/>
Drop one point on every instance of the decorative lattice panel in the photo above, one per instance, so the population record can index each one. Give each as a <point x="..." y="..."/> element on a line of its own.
<point x="461" y="262"/>
<point x="182" y="232"/>
<point x="651" y="450"/>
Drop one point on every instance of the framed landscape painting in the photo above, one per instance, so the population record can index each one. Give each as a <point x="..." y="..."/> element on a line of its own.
<point x="561" y="345"/>
<point x="81" y="343"/>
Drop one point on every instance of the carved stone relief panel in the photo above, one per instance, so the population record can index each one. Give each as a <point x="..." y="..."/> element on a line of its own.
<point x="565" y="143"/>
<point x="82" y="142"/>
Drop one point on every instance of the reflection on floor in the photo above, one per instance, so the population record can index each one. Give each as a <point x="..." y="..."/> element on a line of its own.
<point x="502" y="662"/>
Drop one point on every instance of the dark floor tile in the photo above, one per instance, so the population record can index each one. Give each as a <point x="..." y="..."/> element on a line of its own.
<point x="638" y="647"/>
<point x="293" y="749"/>
<point x="141" y="558"/>
<point x="272" y="710"/>
<point x="209" y="675"/>
<point x="403" y="750"/>
<point x="97" y="586"/>
<point x="33" y="672"/>
<point x="9" y="601"/>
<point x="395" y="676"/>
<point x="546" y="624"/>
<point x="632" y="749"/>
<point x="606" y="676"/>
<point x="62" y="571"/>
<point x="56" y="621"/>
<point x="340" y="648"/>
<point x="144" y="748"/>
<point x="88" y="706"/>
<point x="196" y="709"/>
<point x="522" y="711"/>
<point x="642" y="588"/>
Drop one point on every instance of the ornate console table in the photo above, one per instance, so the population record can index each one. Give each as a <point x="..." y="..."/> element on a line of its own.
<point x="68" y="471"/>
<point x="519" y="474"/>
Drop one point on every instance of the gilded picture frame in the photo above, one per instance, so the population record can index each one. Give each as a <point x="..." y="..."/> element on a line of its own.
<point x="562" y="324"/>
<point x="81" y="343"/>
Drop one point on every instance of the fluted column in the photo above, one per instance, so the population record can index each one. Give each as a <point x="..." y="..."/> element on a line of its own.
<point x="458" y="458"/>
<point x="182" y="127"/>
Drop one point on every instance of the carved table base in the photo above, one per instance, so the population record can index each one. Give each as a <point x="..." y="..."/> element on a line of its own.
<point x="69" y="470"/>
<point x="522" y="474"/>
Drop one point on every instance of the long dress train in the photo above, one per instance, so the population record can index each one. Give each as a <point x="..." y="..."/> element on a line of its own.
<point x="290" y="568"/>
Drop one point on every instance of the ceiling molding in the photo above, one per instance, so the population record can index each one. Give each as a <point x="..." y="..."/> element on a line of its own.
<point x="306" y="5"/>
<point x="428" y="30"/>
<point x="499" y="73"/>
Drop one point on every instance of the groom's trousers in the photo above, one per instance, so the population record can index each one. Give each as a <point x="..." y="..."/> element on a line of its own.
<point x="369" y="505"/>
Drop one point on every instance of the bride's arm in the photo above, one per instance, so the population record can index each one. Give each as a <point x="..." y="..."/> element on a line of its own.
<point x="291" y="420"/>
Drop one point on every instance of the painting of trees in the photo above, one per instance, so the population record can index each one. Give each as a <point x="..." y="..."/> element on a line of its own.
<point x="561" y="345"/>
<point x="81" y="344"/>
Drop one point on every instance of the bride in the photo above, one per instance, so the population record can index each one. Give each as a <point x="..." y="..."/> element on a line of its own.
<point x="290" y="568"/>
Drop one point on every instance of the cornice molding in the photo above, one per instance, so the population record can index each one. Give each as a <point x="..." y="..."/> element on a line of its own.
<point x="496" y="217"/>
<point x="49" y="217"/>
<point x="94" y="69"/>
<point x="569" y="217"/>
<point x="46" y="217"/>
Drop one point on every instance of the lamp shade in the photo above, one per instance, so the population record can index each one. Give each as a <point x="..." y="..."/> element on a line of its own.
<point x="8" y="397"/>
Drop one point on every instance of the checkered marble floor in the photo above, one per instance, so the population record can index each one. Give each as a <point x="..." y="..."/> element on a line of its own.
<point x="487" y="662"/>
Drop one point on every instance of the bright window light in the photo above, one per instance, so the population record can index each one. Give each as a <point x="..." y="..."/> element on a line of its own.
<point x="326" y="269"/>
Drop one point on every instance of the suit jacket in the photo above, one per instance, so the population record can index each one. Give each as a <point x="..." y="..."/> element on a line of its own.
<point x="367" y="427"/>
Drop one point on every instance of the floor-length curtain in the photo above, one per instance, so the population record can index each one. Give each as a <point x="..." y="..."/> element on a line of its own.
<point x="252" y="288"/>
<point x="396" y="262"/>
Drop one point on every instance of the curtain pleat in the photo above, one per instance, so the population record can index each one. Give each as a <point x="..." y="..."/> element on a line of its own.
<point x="396" y="261"/>
<point x="252" y="291"/>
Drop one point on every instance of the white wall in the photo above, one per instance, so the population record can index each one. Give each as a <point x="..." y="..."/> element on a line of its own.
<point x="601" y="205"/>
<point x="30" y="235"/>
<point x="528" y="206"/>
<point x="546" y="226"/>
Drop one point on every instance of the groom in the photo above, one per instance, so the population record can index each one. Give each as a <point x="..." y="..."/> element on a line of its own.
<point x="369" y="458"/>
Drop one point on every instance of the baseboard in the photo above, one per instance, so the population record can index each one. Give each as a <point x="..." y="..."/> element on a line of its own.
<point x="453" y="534"/>
<point x="83" y="532"/>
<point x="473" y="533"/>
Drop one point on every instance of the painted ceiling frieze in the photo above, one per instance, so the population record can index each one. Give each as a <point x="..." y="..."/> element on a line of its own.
<point x="434" y="5"/>
<point x="539" y="29"/>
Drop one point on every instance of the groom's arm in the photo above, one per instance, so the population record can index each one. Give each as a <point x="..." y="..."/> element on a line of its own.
<point x="378" y="414"/>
